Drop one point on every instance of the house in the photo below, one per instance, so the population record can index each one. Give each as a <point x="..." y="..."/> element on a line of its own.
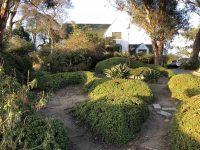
<point x="131" y="38"/>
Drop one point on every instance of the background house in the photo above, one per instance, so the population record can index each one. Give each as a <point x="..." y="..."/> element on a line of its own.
<point x="127" y="35"/>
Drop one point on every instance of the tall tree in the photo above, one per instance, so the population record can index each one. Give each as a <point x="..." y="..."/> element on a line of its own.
<point x="195" y="7"/>
<point x="4" y="14"/>
<point x="161" y="19"/>
<point x="9" y="8"/>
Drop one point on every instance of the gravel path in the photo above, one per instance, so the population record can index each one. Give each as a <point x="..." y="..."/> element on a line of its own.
<point x="153" y="135"/>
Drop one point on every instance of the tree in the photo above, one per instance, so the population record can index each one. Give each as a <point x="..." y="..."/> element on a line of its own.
<point x="195" y="7"/>
<point x="8" y="8"/>
<point x="161" y="19"/>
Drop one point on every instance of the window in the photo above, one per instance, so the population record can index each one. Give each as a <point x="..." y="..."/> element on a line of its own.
<point x="117" y="35"/>
<point x="142" y="51"/>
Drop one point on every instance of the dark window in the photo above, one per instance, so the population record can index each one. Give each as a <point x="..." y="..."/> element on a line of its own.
<point x="117" y="35"/>
<point x="142" y="51"/>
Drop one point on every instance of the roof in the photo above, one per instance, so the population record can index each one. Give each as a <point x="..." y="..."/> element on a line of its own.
<point x="100" y="29"/>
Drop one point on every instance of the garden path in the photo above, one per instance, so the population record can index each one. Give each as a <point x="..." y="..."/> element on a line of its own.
<point x="153" y="135"/>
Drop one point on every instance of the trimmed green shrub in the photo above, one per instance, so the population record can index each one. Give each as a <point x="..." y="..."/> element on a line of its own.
<point x="43" y="133"/>
<point x="121" y="88"/>
<point x="116" y="120"/>
<point x="117" y="72"/>
<point x="109" y="63"/>
<point x="145" y="73"/>
<point x="60" y="80"/>
<point x="185" y="131"/>
<point x="184" y="86"/>
<point x="163" y="71"/>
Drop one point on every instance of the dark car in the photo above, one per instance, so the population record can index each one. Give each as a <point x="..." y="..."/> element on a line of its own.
<point x="173" y="65"/>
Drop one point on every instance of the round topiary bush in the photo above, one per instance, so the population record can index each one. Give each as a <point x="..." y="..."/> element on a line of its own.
<point x="116" y="120"/>
<point x="184" y="86"/>
<point x="121" y="88"/>
<point x="108" y="63"/>
<point x="185" y="131"/>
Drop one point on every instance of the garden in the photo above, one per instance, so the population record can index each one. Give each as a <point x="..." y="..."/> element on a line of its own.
<point x="66" y="87"/>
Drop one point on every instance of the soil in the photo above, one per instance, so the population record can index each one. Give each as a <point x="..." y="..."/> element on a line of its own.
<point x="153" y="135"/>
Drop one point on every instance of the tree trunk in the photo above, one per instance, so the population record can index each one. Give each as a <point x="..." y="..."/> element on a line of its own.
<point x="12" y="15"/>
<point x="196" y="48"/>
<point x="4" y="12"/>
<point x="158" y="47"/>
<point x="155" y="52"/>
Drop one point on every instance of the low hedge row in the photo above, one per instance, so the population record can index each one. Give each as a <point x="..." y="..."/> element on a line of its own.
<point x="56" y="81"/>
<point x="185" y="131"/>
<point x="184" y="86"/>
<point x="108" y="63"/>
<point x="116" y="120"/>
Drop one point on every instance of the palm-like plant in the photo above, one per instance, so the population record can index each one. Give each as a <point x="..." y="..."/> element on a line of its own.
<point x="119" y="71"/>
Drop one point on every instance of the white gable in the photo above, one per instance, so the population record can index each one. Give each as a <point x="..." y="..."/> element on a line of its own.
<point x="142" y="47"/>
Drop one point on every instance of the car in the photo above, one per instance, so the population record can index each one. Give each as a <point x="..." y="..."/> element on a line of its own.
<point x="173" y="65"/>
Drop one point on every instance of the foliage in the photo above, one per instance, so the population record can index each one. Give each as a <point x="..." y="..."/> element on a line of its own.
<point x="185" y="129"/>
<point x="18" y="130"/>
<point x="20" y="32"/>
<point x="132" y="63"/>
<point x="191" y="64"/>
<point x="184" y="86"/>
<point x="44" y="133"/>
<point x="79" y="39"/>
<point x="109" y="63"/>
<point x="160" y="19"/>
<point x="145" y="73"/>
<point x="16" y="66"/>
<point x="116" y="120"/>
<point x="121" y="88"/>
<point x="163" y="71"/>
<point x="147" y="58"/>
<point x="19" y="46"/>
<point x="48" y="81"/>
<point x="170" y="58"/>
<point x="119" y="71"/>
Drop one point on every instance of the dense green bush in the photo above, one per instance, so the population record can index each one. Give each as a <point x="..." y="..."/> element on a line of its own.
<point x="117" y="72"/>
<point x="56" y="81"/>
<point x="121" y="88"/>
<point x="18" y="129"/>
<point x="108" y="63"/>
<point x="145" y="73"/>
<point x="184" y="86"/>
<point x="185" y="131"/>
<point x="44" y="133"/>
<point x="132" y="63"/>
<point x="116" y="120"/>
<point x="190" y="65"/>
<point x="16" y="66"/>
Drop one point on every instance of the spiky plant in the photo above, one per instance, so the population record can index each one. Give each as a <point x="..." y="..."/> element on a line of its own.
<point x="119" y="71"/>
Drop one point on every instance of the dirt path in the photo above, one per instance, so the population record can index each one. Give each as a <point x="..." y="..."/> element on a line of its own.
<point x="153" y="135"/>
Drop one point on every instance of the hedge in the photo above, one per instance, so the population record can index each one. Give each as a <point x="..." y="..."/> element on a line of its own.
<point x="56" y="81"/>
<point x="44" y="133"/>
<point x="185" y="131"/>
<point x="184" y="86"/>
<point x="121" y="88"/>
<point x="116" y="120"/>
<point x="109" y="63"/>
